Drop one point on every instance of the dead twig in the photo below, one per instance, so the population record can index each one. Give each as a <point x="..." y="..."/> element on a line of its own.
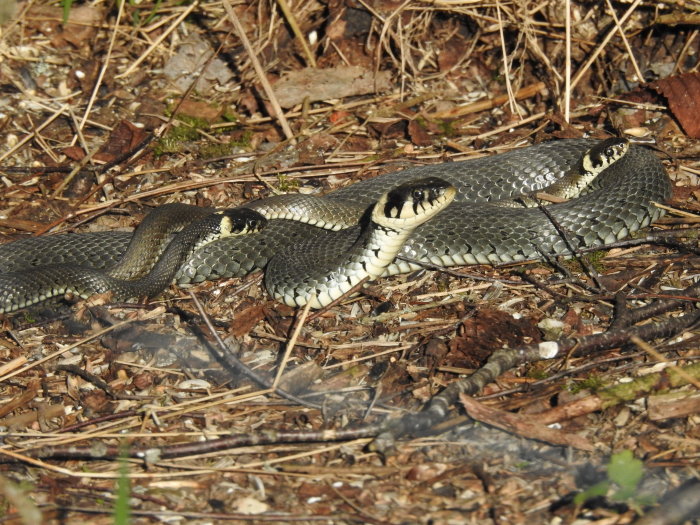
<point x="506" y="359"/>
<point x="227" y="359"/>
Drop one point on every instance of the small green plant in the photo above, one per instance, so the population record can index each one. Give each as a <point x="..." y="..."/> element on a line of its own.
<point x="594" y="259"/>
<point x="122" y="507"/>
<point x="179" y="134"/>
<point x="448" y="128"/>
<point x="592" y="383"/>
<point x="287" y="184"/>
<point x="624" y="476"/>
<point x="538" y="373"/>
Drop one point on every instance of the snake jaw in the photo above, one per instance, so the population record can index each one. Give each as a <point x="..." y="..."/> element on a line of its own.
<point x="240" y="221"/>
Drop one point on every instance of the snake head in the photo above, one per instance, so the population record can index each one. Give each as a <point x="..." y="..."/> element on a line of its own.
<point x="603" y="154"/>
<point x="239" y="221"/>
<point x="413" y="203"/>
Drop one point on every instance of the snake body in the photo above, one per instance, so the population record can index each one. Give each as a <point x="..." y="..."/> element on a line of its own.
<point x="21" y="289"/>
<point x="472" y="230"/>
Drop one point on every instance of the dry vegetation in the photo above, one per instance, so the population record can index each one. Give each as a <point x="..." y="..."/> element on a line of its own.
<point x="118" y="110"/>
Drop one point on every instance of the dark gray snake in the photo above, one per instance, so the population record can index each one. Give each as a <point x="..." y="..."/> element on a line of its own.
<point x="471" y="230"/>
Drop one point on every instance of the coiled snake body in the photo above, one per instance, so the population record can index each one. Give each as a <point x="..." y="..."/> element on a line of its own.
<point x="471" y="230"/>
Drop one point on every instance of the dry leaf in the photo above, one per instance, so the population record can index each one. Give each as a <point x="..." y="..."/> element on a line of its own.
<point x="683" y="95"/>
<point x="325" y="84"/>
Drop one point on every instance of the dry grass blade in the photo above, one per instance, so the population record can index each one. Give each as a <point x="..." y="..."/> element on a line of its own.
<point x="262" y="78"/>
<point x="604" y="42"/>
<point x="158" y="41"/>
<point x="292" y="341"/>
<point x="291" y="19"/>
<point x="57" y="113"/>
<point x="506" y="65"/>
<point x="633" y="60"/>
<point x="567" y="62"/>
<point x="103" y="69"/>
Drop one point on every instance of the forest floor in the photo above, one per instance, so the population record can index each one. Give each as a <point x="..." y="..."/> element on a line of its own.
<point x="117" y="413"/>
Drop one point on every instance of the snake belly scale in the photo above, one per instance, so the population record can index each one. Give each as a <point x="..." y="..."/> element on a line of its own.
<point x="471" y="230"/>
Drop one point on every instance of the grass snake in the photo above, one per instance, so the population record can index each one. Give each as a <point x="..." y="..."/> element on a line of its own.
<point x="473" y="229"/>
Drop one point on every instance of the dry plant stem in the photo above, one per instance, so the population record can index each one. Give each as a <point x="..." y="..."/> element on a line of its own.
<point x="640" y="77"/>
<point x="684" y="52"/>
<point x="31" y="390"/>
<point x="603" y="43"/>
<point x="134" y="65"/>
<point x="567" y="67"/>
<point x="9" y="366"/>
<point x="521" y="425"/>
<point x="575" y="254"/>
<point x="262" y="78"/>
<point x="227" y="359"/>
<point x="91" y="378"/>
<point x="506" y="127"/>
<point x="489" y="103"/>
<point x="656" y="355"/>
<point x="34" y="133"/>
<point x="210" y="517"/>
<point x="292" y="341"/>
<point x="292" y="21"/>
<point x="630" y="317"/>
<point x="577" y="370"/>
<point x="96" y="421"/>
<point x="77" y="169"/>
<point x="514" y="109"/>
<point x="103" y="69"/>
<point x="460" y="275"/>
<point x="154" y="454"/>
<point x="649" y="384"/>
<point x="79" y="135"/>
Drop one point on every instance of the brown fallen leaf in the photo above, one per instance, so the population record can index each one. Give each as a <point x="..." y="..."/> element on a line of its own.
<point x="245" y="319"/>
<point x="325" y="84"/>
<point x="683" y="95"/>
<point x="202" y="110"/>
<point x="79" y="30"/>
<point x="124" y="137"/>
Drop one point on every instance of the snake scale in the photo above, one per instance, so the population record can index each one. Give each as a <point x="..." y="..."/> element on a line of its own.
<point x="471" y="230"/>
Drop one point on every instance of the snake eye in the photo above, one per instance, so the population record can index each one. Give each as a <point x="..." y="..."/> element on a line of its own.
<point x="418" y="195"/>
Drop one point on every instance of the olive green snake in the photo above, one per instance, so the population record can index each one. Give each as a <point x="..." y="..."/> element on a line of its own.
<point x="473" y="229"/>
